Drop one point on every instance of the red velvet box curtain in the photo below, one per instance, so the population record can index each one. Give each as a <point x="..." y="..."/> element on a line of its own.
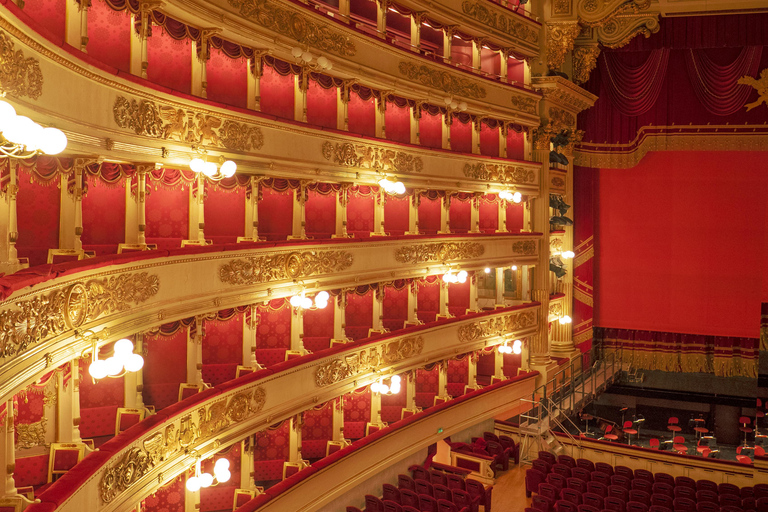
<point x="277" y="90"/>
<point x="274" y="330"/>
<point x="226" y="78"/>
<point x="167" y="209"/>
<point x="489" y="213"/>
<point x="170" y="60"/>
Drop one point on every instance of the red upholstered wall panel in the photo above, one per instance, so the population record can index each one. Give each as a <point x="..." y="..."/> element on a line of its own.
<point x="104" y="213"/>
<point x="359" y="313"/>
<point x="429" y="215"/>
<point x="486" y="363"/>
<point x="431" y="130"/>
<point x="321" y="214"/>
<point x="170" y="61"/>
<point x="458" y="370"/>
<point x="360" y="215"/>
<point x="318" y="327"/>
<point x="321" y="105"/>
<point x="489" y="140"/>
<point x="511" y="363"/>
<point x="515" y="71"/>
<point x="165" y="367"/>
<point x="670" y="256"/>
<point x="30" y="406"/>
<point x="31" y="470"/>
<point x="225" y="212"/>
<point x="428" y="301"/>
<point x="584" y="191"/>
<point x="103" y="392"/>
<point x="489" y="216"/>
<point x="458" y="297"/>
<point x="461" y="136"/>
<point x="460" y="216"/>
<point x="275" y="214"/>
<point x="427" y="380"/>
<point x="396" y="215"/>
<point x="398" y="123"/>
<point x="50" y="14"/>
<point x="37" y="210"/>
<point x="276" y="93"/>
<point x="273" y="443"/>
<point x="515" y="145"/>
<point x="109" y="34"/>
<point x="274" y="325"/>
<point x="396" y="303"/>
<point x="169" y="498"/>
<point x="223" y="341"/>
<point x="318" y="422"/>
<point x="362" y="115"/>
<point x="227" y="79"/>
<point x="357" y="406"/>
<point x="515" y="214"/>
<point x="167" y="211"/>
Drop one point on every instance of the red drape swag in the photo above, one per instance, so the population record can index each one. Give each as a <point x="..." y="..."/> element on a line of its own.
<point x="460" y="214"/>
<point x="362" y="115"/>
<point x="321" y="105"/>
<point x="458" y="297"/>
<point x="50" y="14"/>
<point x="431" y="130"/>
<point x="429" y="215"/>
<point x="321" y="213"/>
<point x="396" y="214"/>
<point x="103" y="215"/>
<point x="226" y="79"/>
<point x="584" y="184"/>
<point x="276" y="93"/>
<point x="515" y="145"/>
<point x="359" y="314"/>
<point x="428" y="300"/>
<point x="273" y="442"/>
<point x="318" y="328"/>
<point x="461" y="135"/>
<point x="170" y="60"/>
<point x="489" y="140"/>
<point x="37" y="210"/>
<point x="357" y="405"/>
<point x="224" y="213"/>
<point x="223" y="340"/>
<point x="515" y="213"/>
<point x="275" y="214"/>
<point x="633" y="90"/>
<point x="274" y="329"/>
<point x="168" y="498"/>
<point x="489" y="213"/>
<point x="360" y="211"/>
<point x="109" y="35"/>
<point x="397" y="121"/>
<point x="165" y="366"/>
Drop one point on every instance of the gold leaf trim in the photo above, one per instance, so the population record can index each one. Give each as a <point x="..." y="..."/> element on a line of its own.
<point x="507" y="24"/>
<point x="497" y="326"/>
<point x="442" y="80"/>
<point x="498" y="172"/>
<point x="584" y="257"/>
<point x="527" y="247"/>
<point x="19" y="75"/>
<point x="31" y="434"/>
<point x="583" y="297"/>
<point x="446" y="251"/>
<point x="369" y="156"/>
<point x="253" y="270"/>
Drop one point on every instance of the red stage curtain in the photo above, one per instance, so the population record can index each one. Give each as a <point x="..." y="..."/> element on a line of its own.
<point x="223" y="341"/>
<point x="275" y="214"/>
<point x="675" y="263"/>
<point x="321" y="214"/>
<point x="458" y="297"/>
<point x="224" y="213"/>
<point x="170" y="60"/>
<point x="584" y="186"/>
<point x="395" y="307"/>
<point x="321" y="105"/>
<point x="276" y="93"/>
<point x="489" y="140"/>
<point x="359" y="314"/>
<point x="227" y="79"/>
<point x="360" y="214"/>
<point x="169" y="498"/>
<point x="274" y="325"/>
<point x="165" y="367"/>
<point x="431" y="130"/>
<point x="428" y="301"/>
<point x="109" y="35"/>
<point x="461" y="136"/>
<point x="396" y="215"/>
<point x="460" y="215"/>
<point x="104" y="214"/>
<point x="515" y="212"/>
<point x="489" y="214"/>
<point x="318" y="327"/>
<point x="50" y="14"/>
<point x="633" y="90"/>
<point x="515" y="145"/>
<point x="362" y="115"/>
<point x="37" y="210"/>
<point x="429" y="215"/>
<point x="398" y="123"/>
<point x="167" y="212"/>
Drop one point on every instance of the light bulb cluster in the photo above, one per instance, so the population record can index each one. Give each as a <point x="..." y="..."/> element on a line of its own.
<point x="304" y="56"/>
<point x="460" y="106"/>
<point x="515" y="197"/>
<point x="392" y="186"/>
<point x="459" y="277"/>
<point x="565" y="319"/>
<point x="566" y="255"/>
<point x="301" y="301"/>
<point x="392" y="388"/>
<point x="22" y="131"/>
<point x="516" y="348"/>
<point x="210" y="169"/>
<point x="123" y="358"/>
<point x="220" y="475"/>
<point x="487" y="270"/>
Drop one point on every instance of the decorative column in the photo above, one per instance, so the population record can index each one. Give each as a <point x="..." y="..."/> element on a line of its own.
<point x="300" y="86"/>
<point x="255" y="71"/>
<point x="250" y="327"/>
<point x="133" y="382"/>
<point x="297" y="330"/>
<point x="502" y="209"/>
<point x="477" y="49"/>
<point x="294" y="434"/>
<point x="410" y="391"/>
<point x="139" y="61"/>
<point x="442" y="381"/>
<point x="8" y="222"/>
<point x="473" y="306"/>
<point x="375" y="409"/>
<point x="379" y="200"/>
<point x="252" y="197"/>
<point x="499" y="285"/>
<point x="194" y="352"/>
<point x="378" y="308"/>
<point x="338" y="419"/>
<point x="474" y="212"/>
<point x="341" y="211"/>
<point x="68" y="405"/>
<point x="141" y="205"/>
<point x="381" y="17"/>
<point x="344" y="10"/>
<point x="339" y="312"/>
<point x="504" y="64"/>
<point x="445" y="127"/>
<point x="191" y="499"/>
<point x="8" y="452"/>
<point x="246" y="463"/>
<point x="71" y="209"/>
<point x="472" y="371"/>
<point x="443" y="301"/>
<point x="76" y="24"/>
<point x="445" y="208"/>
<point x="413" y="213"/>
<point x="198" y="73"/>
<point x="475" y="135"/>
<point x="527" y="222"/>
<point x="299" y="228"/>
<point x="413" y="289"/>
<point x="498" y="364"/>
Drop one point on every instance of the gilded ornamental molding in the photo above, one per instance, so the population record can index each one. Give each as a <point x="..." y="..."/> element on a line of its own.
<point x="584" y="61"/>
<point x="560" y="38"/>
<point x="524" y="103"/>
<point x="526" y="247"/>
<point x="556" y="308"/>
<point x="509" y="25"/>
<point x="619" y="31"/>
<point x="370" y="156"/>
<point x="508" y="174"/>
<point x="30" y="435"/>
<point x="439" y="252"/>
<point x="442" y="80"/>
<point x="19" y="75"/>
<point x="498" y="326"/>
<point x="368" y="360"/>
<point x="594" y="13"/>
<point x="294" y="265"/>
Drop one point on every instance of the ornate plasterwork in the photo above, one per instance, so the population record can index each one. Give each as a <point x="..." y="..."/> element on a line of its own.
<point x="367" y="360"/>
<point x="25" y="323"/>
<point x="442" y="80"/>
<point x="277" y="16"/>
<point x="508" y="24"/>
<point x="275" y="267"/>
<point x="561" y="7"/>
<point x="564" y="93"/>
<point x="498" y="326"/>
<point x="370" y="156"/>
<point x="19" y="75"/>
<point x="31" y="434"/>
<point x="509" y="174"/>
<point x="524" y="103"/>
<point x="584" y="61"/>
<point x="560" y="38"/>
<point x="556" y="308"/>
<point x="172" y="440"/>
<point x="593" y="13"/>
<point x="761" y="86"/>
<point x="439" y="252"/>
<point x="619" y="31"/>
<point x="525" y="248"/>
<point x="147" y="118"/>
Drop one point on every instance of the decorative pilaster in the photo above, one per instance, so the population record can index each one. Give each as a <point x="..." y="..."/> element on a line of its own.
<point x="375" y="408"/>
<point x="250" y="326"/>
<point x="502" y="211"/>
<point x="339" y="313"/>
<point x="475" y="135"/>
<point x="474" y="213"/>
<point x="344" y="10"/>
<point x="379" y="200"/>
<point x="503" y="132"/>
<point x="472" y="372"/>
<point x="584" y="61"/>
<point x="473" y="306"/>
<point x="8" y="452"/>
<point x="342" y="104"/>
<point x="477" y="49"/>
<point x="139" y="35"/>
<point x="416" y="19"/>
<point x="141" y="205"/>
<point x="504" y="65"/>
<point x="445" y="209"/>
<point x="197" y="211"/>
<point x="410" y="391"/>
<point x="133" y="382"/>
<point x="294" y="438"/>
<point x="445" y="127"/>
<point x="415" y="118"/>
<point x="413" y="214"/>
<point x="255" y="71"/>
<point x="341" y="211"/>
<point x="498" y="364"/>
<point x="300" y="86"/>
<point x="378" y="308"/>
<point x="560" y="39"/>
<point x="443" y="301"/>
<point x="246" y="463"/>
<point x="381" y="17"/>
<point x="338" y="419"/>
<point x="297" y="330"/>
<point x="68" y="405"/>
<point x="379" y="112"/>
<point x="252" y="196"/>
<point x="299" y="229"/>
<point x="195" y="353"/>
<point x="8" y="222"/>
<point x="413" y="290"/>
<point x="442" y="381"/>
<point x="448" y="31"/>
<point x="76" y="24"/>
<point x="499" y="285"/>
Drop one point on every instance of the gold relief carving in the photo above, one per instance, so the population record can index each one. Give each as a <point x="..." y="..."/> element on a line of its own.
<point x="28" y="322"/>
<point x="165" y="122"/>
<point x="446" y="251"/>
<point x="558" y="182"/>
<point x="499" y="172"/>
<point x="556" y="309"/>
<point x="761" y="86"/>
<point x="368" y="360"/>
<point x="294" y="265"/>
<point x="527" y="247"/>
<point x="561" y="7"/>
<point x="593" y="13"/>
<point x="19" y="75"/>
<point x="561" y="118"/>
<point x="562" y="91"/>
<point x="283" y="20"/>
<point x="368" y="156"/>
<point x="507" y="24"/>
<point x="31" y="434"/>
<point x="525" y="103"/>
<point x="560" y="38"/>
<point x="584" y="61"/>
<point x="134" y="464"/>
<point x="442" y="80"/>
<point x="619" y="31"/>
<point x="582" y="337"/>
<point x="498" y="326"/>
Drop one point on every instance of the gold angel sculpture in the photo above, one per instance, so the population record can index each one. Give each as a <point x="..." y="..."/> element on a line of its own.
<point x="760" y="85"/>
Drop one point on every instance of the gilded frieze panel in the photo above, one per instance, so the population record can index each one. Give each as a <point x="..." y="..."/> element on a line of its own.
<point x="509" y="174"/>
<point x="498" y="326"/>
<point x="439" y="252"/>
<point x="442" y="80"/>
<point x="369" y="156"/>
<point x="294" y="265"/>
<point x="525" y="248"/>
<point x="19" y="75"/>
<point x="507" y="24"/>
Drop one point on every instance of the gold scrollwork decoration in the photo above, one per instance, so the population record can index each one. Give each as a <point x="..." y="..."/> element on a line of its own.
<point x="440" y="251"/>
<point x="499" y="172"/>
<point x="442" y="80"/>
<point x="147" y="118"/>
<point x="761" y="86"/>
<point x="31" y="434"/>
<point x="260" y="269"/>
<point x="134" y="464"/>
<point x="507" y="24"/>
<point x="556" y="309"/>
<point x="368" y="156"/>
<point x="19" y="75"/>
<point x="526" y="247"/>
<point x="497" y="326"/>
<point x="560" y="38"/>
<point x="584" y="61"/>
<point x="524" y="103"/>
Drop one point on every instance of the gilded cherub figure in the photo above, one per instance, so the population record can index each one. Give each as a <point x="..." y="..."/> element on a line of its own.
<point x="760" y="85"/>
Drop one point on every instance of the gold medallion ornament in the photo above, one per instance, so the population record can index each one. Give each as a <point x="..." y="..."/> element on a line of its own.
<point x="369" y="156"/>
<point x="442" y="80"/>
<point x="261" y="269"/>
<point x="439" y="252"/>
<point x="498" y="326"/>
<point x="19" y="75"/>
<point x="508" y="174"/>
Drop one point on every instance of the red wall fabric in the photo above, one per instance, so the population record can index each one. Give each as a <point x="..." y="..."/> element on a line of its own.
<point x="461" y="136"/>
<point x="103" y="392"/>
<point x="429" y="215"/>
<point x="167" y="211"/>
<point x="50" y="14"/>
<point x="515" y="145"/>
<point x="357" y="406"/>
<point x="361" y="115"/>
<point x="398" y="123"/>
<point x="104" y="213"/>
<point x="321" y="214"/>
<point x="169" y="498"/>
<point x="489" y="140"/>
<point x="458" y="297"/>
<point x="223" y="341"/>
<point x="672" y="254"/>
<point x="170" y="61"/>
<point x="275" y="214"/>
<point x="431" y="130"/>
<point x="321" y="105"/>
<point x="225" y="213"/>
<point x="489" y="216"/>
<point x="274" y="329"/>
<point x="276" y="93"/>
<point x="109" y="35"/>
<point x="428" y="301"/>
<point x="227" y="79"/>
<point x="318" y="327"/>
<point x="396" y="215"/>
<point x="427" y="380"/>
<point x="273" y="443"/>
<point x="37" y="210"/>
<point x="318" y="422"/>
<point x="360" y="215"/>
<point x="515" y="71"/>
<point x="396" y="303"/>
<point x="458" y="370"/>
<point x="515" y="213"/>
<point x="460" y="215"/>
<point x="165" y="367"/>
<point x="359" y="314"/>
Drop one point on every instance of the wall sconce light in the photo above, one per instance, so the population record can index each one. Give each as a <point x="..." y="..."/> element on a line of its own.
<point x="513" y="196"/>
<point x="392" y="186"/>
<point x="306" y="58"/>
<point x="566" y="255"/>
<point x="301" y="301"/>
<point x="513" y="268"/>
<point x="211" y="170"/>
<point x="23" y="138"/>
<point x="452" y="104"/>
<point x="487" y="270"/>
<point x="459" y="277"/>
<point x="565" y="319"/>
<point x="220" y="475"/>
<point x="123" y="360"/>
<point x="381" y="386"/>
<point x="516" y="348"/>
